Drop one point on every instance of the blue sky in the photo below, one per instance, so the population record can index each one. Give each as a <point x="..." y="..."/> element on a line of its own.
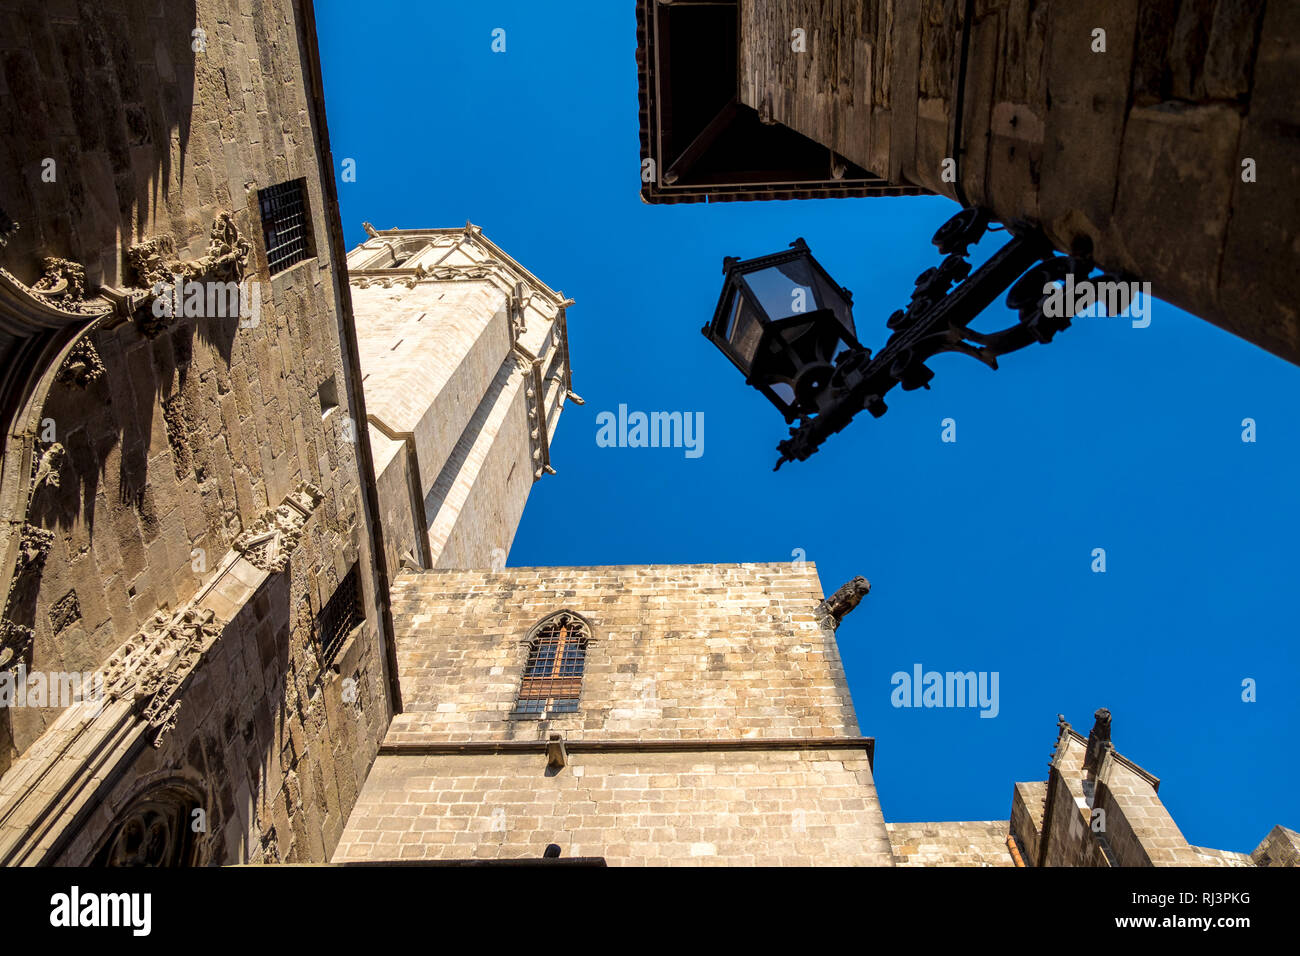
<point x="979" y="552"/>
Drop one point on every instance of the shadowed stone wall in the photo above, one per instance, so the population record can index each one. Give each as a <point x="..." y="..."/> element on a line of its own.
<point x="1138" y="149"/>
<point x="194" y="431"/>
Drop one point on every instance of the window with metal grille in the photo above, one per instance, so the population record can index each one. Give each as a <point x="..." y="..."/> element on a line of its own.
<point x="286" y="226"/>
<point x="340" y="615"/>
<point x="552" y="681"/>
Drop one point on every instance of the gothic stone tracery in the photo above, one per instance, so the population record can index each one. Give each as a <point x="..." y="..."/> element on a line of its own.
<point x="151" y="668"/>
<point x="270" y="540"/>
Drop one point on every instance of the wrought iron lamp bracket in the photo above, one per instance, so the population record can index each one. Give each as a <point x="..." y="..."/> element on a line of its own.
<point x="945" y="300"/>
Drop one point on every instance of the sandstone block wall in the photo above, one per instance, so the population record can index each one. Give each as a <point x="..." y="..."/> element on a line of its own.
<point x="464" y="356"/>
<point x="477" y="500"/>
<point x="780" y="808"/>
<point x="1280" y="848"/>
<point x="680" y="652"/>
<point x="1139" y="830"/>
<point x="715" y="724"/>
<point x="975" y="843"/>
<point x="189" y="436"/>
<point x="1105" y="811"/>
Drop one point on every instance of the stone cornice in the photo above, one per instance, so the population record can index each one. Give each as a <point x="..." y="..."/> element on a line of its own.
<point x="426" y="745"/>
<point x="458" y="235"/>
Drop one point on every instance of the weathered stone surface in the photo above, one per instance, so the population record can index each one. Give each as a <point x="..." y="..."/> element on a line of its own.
<point x="982" y="843"/>
<point x="718" y="696"/>
<point x="1098" y="808"/>
<point x="1280" y="848"/>
<point x="1139" y="148"/>
<point x="450" y="329"/>
<point x="170" y="446"/>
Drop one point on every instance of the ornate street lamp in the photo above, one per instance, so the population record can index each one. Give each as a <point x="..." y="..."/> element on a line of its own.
<point x="789" y="328"/>
<point x="783" y="322"/>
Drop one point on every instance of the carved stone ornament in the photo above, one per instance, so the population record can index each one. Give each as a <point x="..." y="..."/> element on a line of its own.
<point x="151" y="260"/>
<point x="523" y="364"/>
<point x="64" y="280"/>
<point x="7" y="228"/>
<point x="46" y="467"/>
<point x="156" y="267"/>
<point x="831" y="611"/>
<point x="82" y="367"/>
<point x="56" y="299"/>
<point x="454" y="273"/>
<point x="270" y="540"/>
<point x="15" y="644"/>
<point x="151" y="668"/>
<point x="33" y="548"/>
<point x="154" y="260"/>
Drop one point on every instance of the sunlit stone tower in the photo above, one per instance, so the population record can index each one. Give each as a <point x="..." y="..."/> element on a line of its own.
<point x="465" y="365"/>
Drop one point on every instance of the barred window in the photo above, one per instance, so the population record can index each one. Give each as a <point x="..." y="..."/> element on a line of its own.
<point x="286" y="229"/>
<point x="340" y="615"/>
<point x="557" y="656"/>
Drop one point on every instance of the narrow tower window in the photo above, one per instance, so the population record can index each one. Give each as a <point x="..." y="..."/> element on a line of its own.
<point x="342" y="613"/>
<point x="557" y="655"/>
<point x="285" y="224"/>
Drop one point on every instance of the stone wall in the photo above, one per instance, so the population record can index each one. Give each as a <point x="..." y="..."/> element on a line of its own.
<point x="715" y="724"/>
<point x="478" y="498"/>
<point x="972" y="843"/>
<point x="1137" y="149"/>
<point x="780" y="808"/>
<point x="465" y="359"/>
<point x="1098" y="808"/>
<point x="1280" y="848"/>
<point x="678" y="651"/>
<point x="1139" y="830"/>
<point x="193" y="431"/>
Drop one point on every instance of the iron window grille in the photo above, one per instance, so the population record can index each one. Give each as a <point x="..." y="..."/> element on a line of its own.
<point x="285" y="224"/>
<point x="341" y="615"/>
<point x="552" y="679"/>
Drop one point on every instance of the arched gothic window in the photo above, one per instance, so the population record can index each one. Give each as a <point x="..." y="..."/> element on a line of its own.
<point x="157" y="829"/>
<point x="557" y="656"/>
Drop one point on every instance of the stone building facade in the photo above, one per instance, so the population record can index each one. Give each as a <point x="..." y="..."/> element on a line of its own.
<point x="210" y="462"/>
<point x="182" y="509"/>
<point x="692" y="715"/>
<point x="1159" y="134"/>
<point x="465" y="358"/>
<point x="1097" y="808"/>
<point x="713" y="724"/>
<point x="204" y="502"/>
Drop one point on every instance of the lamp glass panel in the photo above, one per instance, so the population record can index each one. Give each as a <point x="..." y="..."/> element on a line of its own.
<point x="829" y="296"/>
<point x="784" y="290"/>
<point x="743" y="330"/>
<point x="783" y="392"/>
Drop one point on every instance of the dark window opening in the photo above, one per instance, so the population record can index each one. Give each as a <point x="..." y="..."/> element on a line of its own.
<point x="340" y="616"/>
<point x="286" y="226"/>
<point x="329" y="396"/>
